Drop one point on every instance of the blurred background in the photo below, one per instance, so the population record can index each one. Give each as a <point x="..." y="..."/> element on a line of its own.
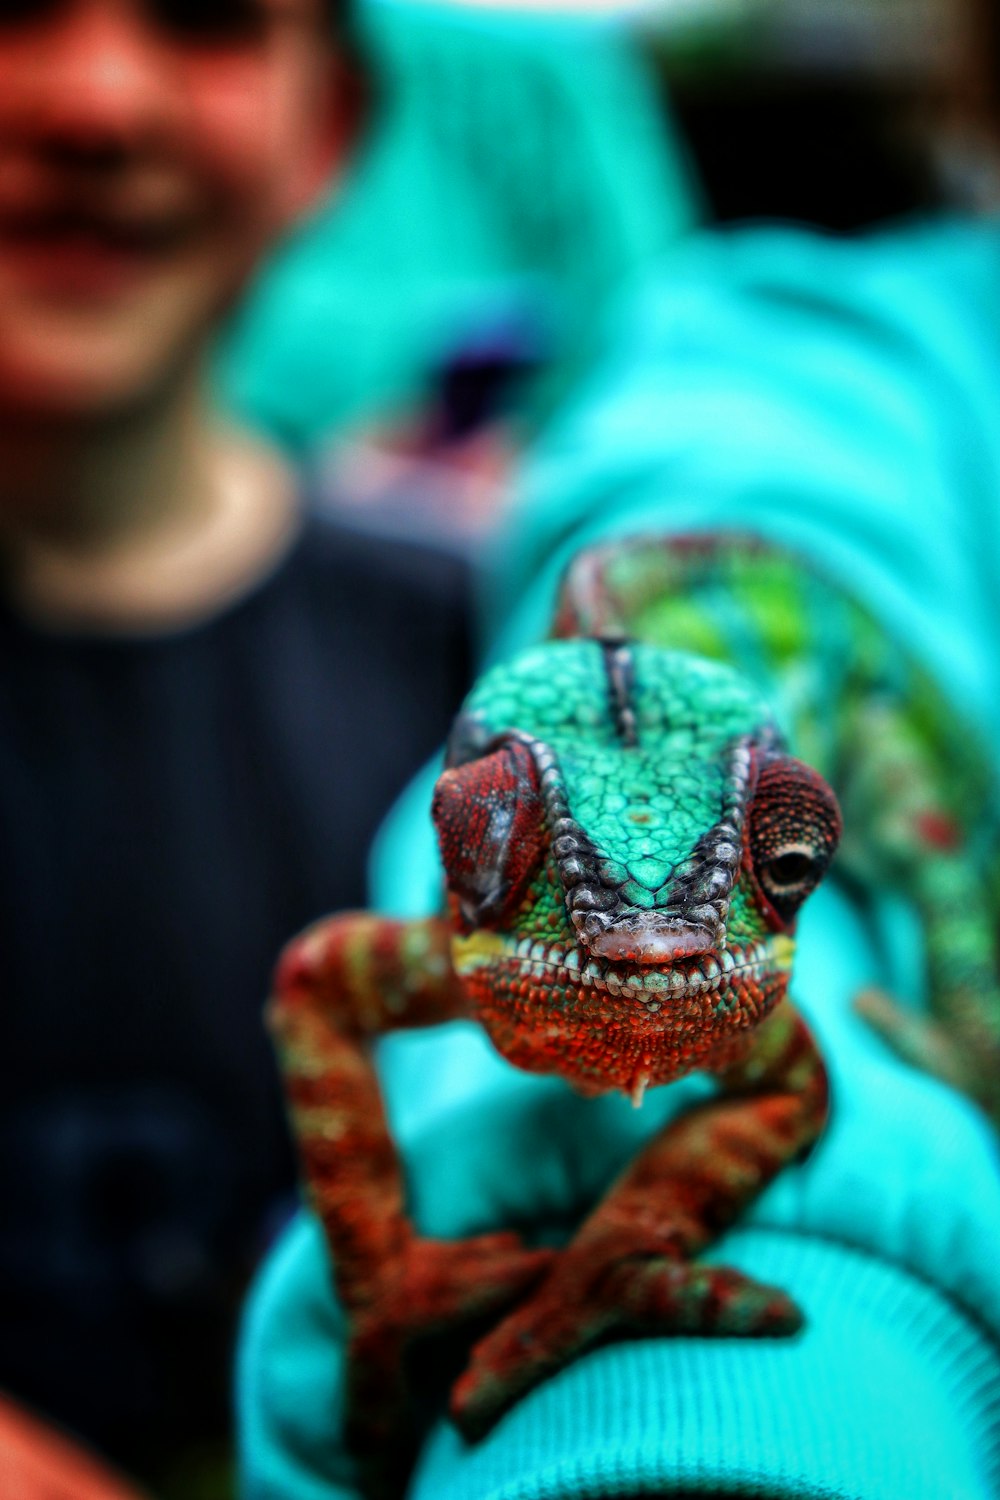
<point x="532" y="158"/>
<point x="518" y="166"/>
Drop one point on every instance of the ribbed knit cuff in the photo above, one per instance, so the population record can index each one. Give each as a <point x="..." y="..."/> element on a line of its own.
<point x="890" y="1393"/>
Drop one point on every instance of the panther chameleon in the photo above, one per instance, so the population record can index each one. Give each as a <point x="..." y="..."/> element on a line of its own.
<point x="627" y="843"/>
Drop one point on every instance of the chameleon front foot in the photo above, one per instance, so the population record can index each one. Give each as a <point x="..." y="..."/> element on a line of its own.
<point x="434" y="1289"/>
<point x="576" y="1310"/>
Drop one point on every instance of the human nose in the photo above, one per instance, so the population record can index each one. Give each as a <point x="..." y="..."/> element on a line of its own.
<point x="101" y="80"/>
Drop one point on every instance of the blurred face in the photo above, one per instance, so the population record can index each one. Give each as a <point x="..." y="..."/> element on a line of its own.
<point x="149" y="152"/>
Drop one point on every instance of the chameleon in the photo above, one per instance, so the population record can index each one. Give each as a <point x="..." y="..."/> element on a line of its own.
<point x="916" y="782"/>
<point x="627" y="842"/>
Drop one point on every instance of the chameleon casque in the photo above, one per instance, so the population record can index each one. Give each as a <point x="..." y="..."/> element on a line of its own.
<point x="627" y="843"/>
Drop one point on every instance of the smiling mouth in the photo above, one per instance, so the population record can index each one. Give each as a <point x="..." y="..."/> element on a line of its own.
<point x="87" y="254"/>
<point x="651" y="987"/>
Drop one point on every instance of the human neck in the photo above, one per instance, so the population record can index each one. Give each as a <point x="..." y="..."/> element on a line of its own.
<point x="144" y="521"/>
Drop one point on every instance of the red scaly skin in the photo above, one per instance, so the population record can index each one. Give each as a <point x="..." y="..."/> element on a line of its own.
<point x="627" y="1271"/>
<point x="571" y="974"/>
<point x="340" y="984"/>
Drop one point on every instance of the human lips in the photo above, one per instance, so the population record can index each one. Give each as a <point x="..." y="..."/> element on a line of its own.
<point x="66" y="252"/>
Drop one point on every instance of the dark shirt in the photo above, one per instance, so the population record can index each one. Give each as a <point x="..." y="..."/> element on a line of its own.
<point x="172" y="809"/>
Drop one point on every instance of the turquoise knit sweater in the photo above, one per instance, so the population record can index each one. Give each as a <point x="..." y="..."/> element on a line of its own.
<point x="844" y="398"/>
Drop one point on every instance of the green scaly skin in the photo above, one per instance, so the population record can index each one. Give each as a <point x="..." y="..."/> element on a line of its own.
<point x="634" y="943"/>
<point x="626" y="845"/>
<point x="916" y="784"/>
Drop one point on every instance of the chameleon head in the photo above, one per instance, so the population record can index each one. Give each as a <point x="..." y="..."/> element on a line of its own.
<point x="626" y="845"/>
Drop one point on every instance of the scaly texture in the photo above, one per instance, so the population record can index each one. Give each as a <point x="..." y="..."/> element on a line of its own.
<point x="627" y="844"/>
<point x="920" y="800"/>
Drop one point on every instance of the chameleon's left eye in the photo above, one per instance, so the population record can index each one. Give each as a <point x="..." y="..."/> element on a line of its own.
<point x="794" y="829"/>
<point x="490" y="825"/>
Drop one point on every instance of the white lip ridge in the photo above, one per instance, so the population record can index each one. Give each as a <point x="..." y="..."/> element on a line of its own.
<point x="712" y="972"/>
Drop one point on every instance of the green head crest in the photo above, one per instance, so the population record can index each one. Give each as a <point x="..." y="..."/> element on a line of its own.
<point x="627" y="815"/>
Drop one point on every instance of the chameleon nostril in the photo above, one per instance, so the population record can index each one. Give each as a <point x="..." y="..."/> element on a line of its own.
<point x="642" y="939"/>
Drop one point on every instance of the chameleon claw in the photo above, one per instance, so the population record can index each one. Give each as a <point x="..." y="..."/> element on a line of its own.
<point x="436" y="1289"/>
<point x="636" y="1298"/>
<point x="540" y="913"/>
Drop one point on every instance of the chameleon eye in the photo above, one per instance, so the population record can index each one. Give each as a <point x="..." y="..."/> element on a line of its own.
<point x="794" y="829"/>
<point x="490" y="825"/>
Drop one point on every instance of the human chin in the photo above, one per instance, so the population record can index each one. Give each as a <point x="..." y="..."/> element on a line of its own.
<point x="77" y="368"/>
<point x="91" y="333"/>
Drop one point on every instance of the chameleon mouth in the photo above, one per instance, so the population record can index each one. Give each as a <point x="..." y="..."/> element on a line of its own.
<point x="731" y="968"/>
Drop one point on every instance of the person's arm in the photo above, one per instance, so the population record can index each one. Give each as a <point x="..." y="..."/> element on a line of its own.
<point x="815" y="425"/>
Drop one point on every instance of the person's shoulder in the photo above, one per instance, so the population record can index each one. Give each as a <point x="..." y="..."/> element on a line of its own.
<point x="910" y="275"/>
<point x="831" y="394"/>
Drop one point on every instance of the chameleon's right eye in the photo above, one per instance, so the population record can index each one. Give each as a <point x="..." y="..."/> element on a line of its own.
<point x="794" y="828"/>
<point x="490" y="825"/>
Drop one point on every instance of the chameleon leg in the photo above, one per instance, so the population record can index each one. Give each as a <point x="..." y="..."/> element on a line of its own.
<point x="341" y="983"/>
<point x="628" y="1272"/>
<point x="959" y="1040"/>
<point x="898" y="795"/>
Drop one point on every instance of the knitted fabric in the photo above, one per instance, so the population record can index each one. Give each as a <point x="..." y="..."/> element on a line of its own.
<point x="516" y="169"/>
<point x="842" y="398"/>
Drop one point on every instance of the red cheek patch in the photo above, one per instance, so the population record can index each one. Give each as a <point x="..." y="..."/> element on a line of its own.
<point x="490" y="824"/>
